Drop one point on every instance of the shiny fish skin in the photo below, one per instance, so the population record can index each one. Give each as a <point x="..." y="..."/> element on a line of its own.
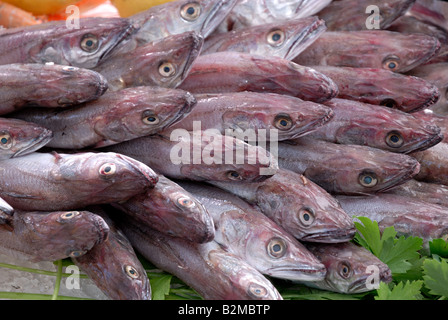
<point x="378" y="127"/>
<point x="50" y="86"/>
<point x="199" y="145"/>
<point x="346" y="169"/>
<point x="172" y="210"/>
<point x="348" y="267"/>
<point x="377" y="49"/>
<point x="49" y="182"/>
<point x="254" y="111"/>
<point x="114" y="266"/>
<point x="433" y="164"/>
<point x="6" y="212"/>
<point x="382" y="87"/>
<point x="222" y="72"/>
<point x="290" y="199"/>
<point x="249" y="234"/>
<point x="294" y="37"/>
<point x="145" y="65"/>
<point x="426" y="191"/>
<point x="19" y="138"/>
<point x="54" y="42"/>
<point x="51" y="236"/>
<point x="207" y="268"/>
<point x="115" y="117"/>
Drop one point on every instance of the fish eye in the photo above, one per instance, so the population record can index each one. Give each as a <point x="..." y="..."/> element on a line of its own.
<point x="185" y="202"/>
<point x="131" y="272"/>
<point x="256" y="290"/>
<point x="345" y="270"/>
<point x="190" y="11"/>
<point x="391" y="63"/>
<point x="394" y="140"/>
<point x="283" y="122"/>
<point x="276" y="37"/>
<point x="108" y="169"/>
<point x="233" y="175"/>
<point x="76" y="254"/>
<point x="5" y="141"/>
<point x="150" y="118"/>
<point x="389" y="103"/>
<point x="89" y="43"/>
<point x="368" y="179"/>
<point x="69" y="215"/>
<point x="166" y="69"/>
<point x="276" y="248"/>
<point x="306" y="216"/>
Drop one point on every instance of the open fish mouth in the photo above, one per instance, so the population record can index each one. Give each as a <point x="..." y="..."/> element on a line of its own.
<point x="296" y="273"/>
<point x="36" y="144"/>
<point x="331" y="236"/>
<point x="306" y="38"/>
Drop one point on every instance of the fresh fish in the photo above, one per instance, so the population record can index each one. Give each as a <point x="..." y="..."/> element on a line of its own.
<point x="247" y="233"/>
<point x="6" y="213"/>
<point x="433" y="164"/>
<point x="248" y="13"/>
<point x="83" y="47"/>
<point x="201" y="155"/>
<point x="285" y="39"/>
<point x="52" y="181"/>
<point x="378" y="127"/>
<point x="165" y="63"/>
<point x="350" y="268"/>
<point x="172" y="210"/>
<point x="382" y="87"/>
<point x="377" y="49"/>
<point x="47" y="85"/>
<point x="19" y="138"/>
<point x="113" y="118"/>
<point x="297" y="205"/>
<point x="222" y="72"/>
<point x="432" y="118"/>
<point x="425" y="191"/>
<point x="434" y="12"/>
<point x="114" y="266"/>
<point x="212" y="272"/>
<point x="351" y="15"/>
<point x="51" y="236"/>
<point x="252" y="112"/>
<point x="409" y="216"/>
<point x="346" y="169"/>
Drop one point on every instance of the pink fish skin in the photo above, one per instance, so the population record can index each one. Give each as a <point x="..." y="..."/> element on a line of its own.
<point x="433" y="164"/>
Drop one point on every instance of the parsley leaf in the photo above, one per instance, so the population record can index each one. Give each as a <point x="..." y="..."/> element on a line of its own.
<point x="436" y="276"/>
<point x="409" y="290"/>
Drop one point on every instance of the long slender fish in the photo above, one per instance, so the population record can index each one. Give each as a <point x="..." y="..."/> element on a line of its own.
<point x="115" y="117"/>
<point x="252" y="112"/>
<point x="425" y="191"/>
<point x="172" y="210"/>
<point x="378" y="49"/>
<point x="47" y="85"/>
<point x="285" y="39"/>
<point x="433" y="164"/>
<point x="350" y="268"/>
<point x="249" y="234"/>
<point x="52" y="181"/>
<point x="201" y="155"/>
<point x="50" y="236"/>
<point x="165" y="63"/>
<point x="83" y="47"/>
<point x="222" y="72"/>
<point x="212" y="272"/>
<point x="346" y="169"/>
<point x="114" y="266"/>
<point x="378" y="127"/>
<point x="298" y="205"/>
<point x="382" y="87"/>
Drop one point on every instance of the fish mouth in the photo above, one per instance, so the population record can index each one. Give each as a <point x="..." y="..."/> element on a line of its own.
<point x="36" y="144"/>
<point x="411" y="173"/>
<point x="305" y="39"/>
<point x="131" y="29"/>
<point x="428" y="103"/>
<point x="205" y="28"/>
<point x="331" y="236"/>
<point x="296" y="273"/>
<point x="102" y="227"/>
<point x="196" y="47"/>
<point x="150" y="175"/>
<point x="435" y="139"/>
<point x="184" y="110"/>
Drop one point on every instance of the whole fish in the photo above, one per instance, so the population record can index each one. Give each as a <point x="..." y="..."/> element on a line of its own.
<point x="114" y="266"/>
<point x="115" y="117"/>
<point x="382" y="87"/>
<point x="297" y="205"/>
<point x="170" y="209"/>
<point x="247" y="233"/>
<point x="52" y="181"/>
<point x="252" y="112"/>
<point x="165" y="63"/>
<point x="433" y="164"/>
<point x="349" y="268"/>
<point x="426" y="191"/>
<point x="222" y="72"/>
<point x="19" y="138"/>
<point x="83" y="47"/>
<point x="377" y="49"/>
<point x="248" y="13"/>
<point x="378" y="127"/>
<point x="212" y="272"/>
<point x="346" y="169"/>
<point x="285" y="39"/>
<point x="47" y="85"/>
<point x="50" y="236"/>
<point x="351" y="15"/>
<point x="6" y="213"/>
<point x="201" y="155"/>
<point x="409" y="216"/>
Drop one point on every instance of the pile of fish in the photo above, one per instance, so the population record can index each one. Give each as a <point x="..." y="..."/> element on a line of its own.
<point x="102" y="126"/>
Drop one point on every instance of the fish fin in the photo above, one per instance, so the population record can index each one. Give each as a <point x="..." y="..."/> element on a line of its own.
<point x="21" y="196"/>
<point x="56" y="156"/>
